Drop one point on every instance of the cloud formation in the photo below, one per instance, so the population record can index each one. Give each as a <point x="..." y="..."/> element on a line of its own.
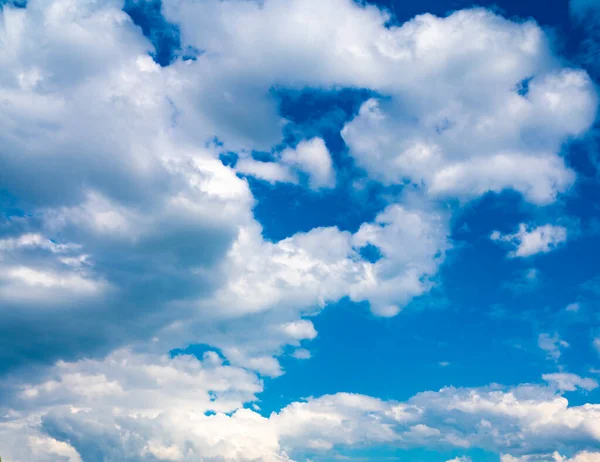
<point x="128" y="237"/>
<point x="531" y="241"/>
<point x="133" y="407"/>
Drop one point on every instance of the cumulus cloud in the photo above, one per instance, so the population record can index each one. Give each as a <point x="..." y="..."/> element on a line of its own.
<point x="147" y="215"/>
<point x="453" y="120"/>
<point x="182" y="408"/>
<point x="398" y="275"/>
<point x="564" y="381"/>
<point x="157" y="217"/>
<point x="136" y="398"/>
<point x="531" y="241"/>
<point x="461" y="145"/>
<point x="133" y="229"/>
<point x="323" y="265"/>
<point x="310" y="157"/>
<point x="313" y="158"/>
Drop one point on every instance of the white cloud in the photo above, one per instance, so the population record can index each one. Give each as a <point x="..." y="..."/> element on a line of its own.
<point x="139" y="403"/>
<point x="446" y="84"/>
<point x="539" y="180"/>
<point x="399" y="274"/>
<point x="161" y="219"/>
<point x="129" y="406"/>
<point x="268" y="171"/>
<point x="310" y="157"/>
<point x="342" y="418"/>
<point x="23" y="443"/>
<point x="300" y="330"/>
<point x="136" y="230"/>
<point x="32" y="241"/>
<point x="564" y="381"/>
<point x="301" y="353"/>
<point x="552" y="345"/>
<point x="151" y="217"/>
<point x="460" y="459"/>
<point x="583" y="456"/>
<point x="531" y="241"/>
<point x="430" y="146"/>
<point x="323" y="265"/>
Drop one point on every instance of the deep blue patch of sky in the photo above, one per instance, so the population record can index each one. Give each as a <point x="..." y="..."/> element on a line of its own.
<point x="163" y="35"/>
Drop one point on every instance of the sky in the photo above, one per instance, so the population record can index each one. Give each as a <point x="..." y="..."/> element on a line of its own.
<point x="299" y="230"/>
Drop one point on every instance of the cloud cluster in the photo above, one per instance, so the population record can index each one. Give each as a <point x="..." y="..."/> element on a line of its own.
<point x="149" y="230"/>
<point x="565" y="381"/>
<point x="530" y="241"/>
<point x="165" y="231"/>
<point x="128" y="237"/>
<point x="310" y="157"/>
<point x="470" y="103"/>
<point x="134" y="407"/>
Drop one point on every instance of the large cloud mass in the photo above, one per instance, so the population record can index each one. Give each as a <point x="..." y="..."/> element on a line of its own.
<point x="132" y="407"/>
<point x="125" y="235"/>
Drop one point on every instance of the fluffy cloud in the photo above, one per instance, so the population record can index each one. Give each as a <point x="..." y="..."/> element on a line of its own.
<point x="570" y="382"/>
<point x="158" y="221"/>
<point x="130" y="406"/>
<point x="464" y="116"/>
<point x="137" y="407"/>
<point x="313" y="158"/>
<point x="461" y="143"/>
<point x="530" y="241"/>
<point x="398" y="275"/>
<point x="138" y="219"/>
<point x="310" y="157"/>
<point x="311" y="269"/>
<point x="148" y="234"/>
<point x="130" y="228"/>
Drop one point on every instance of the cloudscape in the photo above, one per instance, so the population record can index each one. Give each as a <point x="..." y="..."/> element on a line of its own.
<point x="299" y="230"/>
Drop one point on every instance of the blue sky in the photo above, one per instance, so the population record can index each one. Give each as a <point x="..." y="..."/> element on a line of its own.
<point x="299" y="230"/>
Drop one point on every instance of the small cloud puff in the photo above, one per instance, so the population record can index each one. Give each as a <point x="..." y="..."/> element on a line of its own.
<point x="530" y="241"/>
